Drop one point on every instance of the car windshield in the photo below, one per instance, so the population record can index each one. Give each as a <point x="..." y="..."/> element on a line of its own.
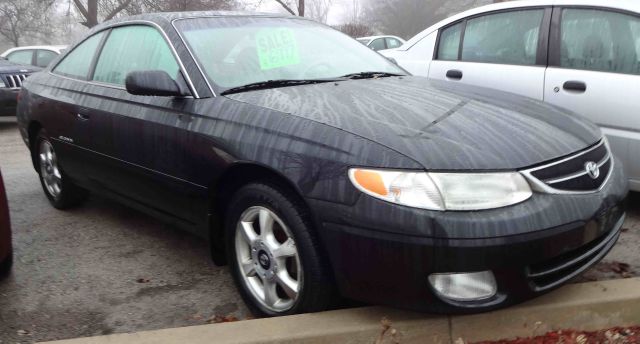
<point x="239" y="51"/>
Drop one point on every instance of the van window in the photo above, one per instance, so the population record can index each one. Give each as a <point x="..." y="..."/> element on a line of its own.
<point x="600" y="41"/>
<point x="21" y="57"/>
<point x="449" y="43"/>
<point x="44" y="57"/>
<point x="505" y="38"/>
<point x="377" y="44"/>
<point x="393" y="43"/>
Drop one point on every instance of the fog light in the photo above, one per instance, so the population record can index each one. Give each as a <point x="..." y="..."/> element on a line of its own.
<point x="472" y="286"/>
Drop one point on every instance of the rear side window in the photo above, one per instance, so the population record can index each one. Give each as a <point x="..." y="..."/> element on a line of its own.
<point x="600" y="41"/>
<point x="505" y="38"/>
<point x="393" y="43"/>
<point x="449" y="43"/>
<point x="21" y="56"/>
<point x="77" y="63"/>
<point x="134" y="48"/>
<point x="377" y="44"/>
<point x="44" y="57"/>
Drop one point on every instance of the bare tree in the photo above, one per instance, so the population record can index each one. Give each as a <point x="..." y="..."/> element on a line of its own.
<point x="91" y="10"/>
<point x="289" y="7"/>
<point x="23" y="18"/>
<point x="405" y="18"/>
<point x="356" y="30"/>
<point x="318" y="9"/>
<point x="141" y="6"/>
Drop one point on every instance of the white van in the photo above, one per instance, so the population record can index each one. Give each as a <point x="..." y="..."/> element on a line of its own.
<point x="583" y="55"/>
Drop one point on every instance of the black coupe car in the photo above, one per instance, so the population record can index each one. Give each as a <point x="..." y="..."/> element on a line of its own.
<point x="317" y="167"/>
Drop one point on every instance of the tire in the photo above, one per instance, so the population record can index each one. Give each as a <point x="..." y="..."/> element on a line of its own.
<point x="293" y="232"/>
<point x="61" y="192"/>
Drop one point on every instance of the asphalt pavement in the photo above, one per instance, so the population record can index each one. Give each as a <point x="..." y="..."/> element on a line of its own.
<point x="99" y="269"/>
<point x="104" y="268"/>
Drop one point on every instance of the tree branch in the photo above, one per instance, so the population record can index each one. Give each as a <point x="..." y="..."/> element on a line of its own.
<point x="117" y="10"/>
<point x="286" y="7"/>
<point x="81" y="8"/>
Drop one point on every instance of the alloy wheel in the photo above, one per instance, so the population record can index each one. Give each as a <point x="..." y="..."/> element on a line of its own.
<point x="268" y="259"/>
<point x="49" y="170"/>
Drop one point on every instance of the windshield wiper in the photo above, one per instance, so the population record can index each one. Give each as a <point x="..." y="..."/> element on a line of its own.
<point x="275" y="84"/>
<point x="369" y="75"/>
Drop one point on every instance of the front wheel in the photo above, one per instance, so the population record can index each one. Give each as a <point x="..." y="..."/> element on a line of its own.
<point x="274" y="256"/>
<point x="60" y="191"/>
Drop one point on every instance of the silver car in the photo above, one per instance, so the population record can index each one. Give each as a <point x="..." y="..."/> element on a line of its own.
<point x="583" y="55"/>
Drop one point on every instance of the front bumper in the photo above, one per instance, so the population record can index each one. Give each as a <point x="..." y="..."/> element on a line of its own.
<point x="8" y="101"/>
<point x="383" y="253"/>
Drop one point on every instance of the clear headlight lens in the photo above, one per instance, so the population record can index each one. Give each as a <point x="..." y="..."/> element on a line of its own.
<point x="443" y="191"/>
<point x="2" y="84"/>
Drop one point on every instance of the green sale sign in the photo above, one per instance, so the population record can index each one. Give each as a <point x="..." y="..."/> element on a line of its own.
<point x="277" y="48"/>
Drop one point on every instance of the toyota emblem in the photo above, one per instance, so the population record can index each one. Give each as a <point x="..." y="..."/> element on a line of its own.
<point x="592" y="169"/>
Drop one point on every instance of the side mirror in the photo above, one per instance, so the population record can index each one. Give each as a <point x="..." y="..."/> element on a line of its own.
<point x="152" y="83"/>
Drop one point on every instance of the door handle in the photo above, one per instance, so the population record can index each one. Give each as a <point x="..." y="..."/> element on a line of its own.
<point x="82" y="117"/>
<point x="454" y="74"/>
<point x="577" y="86"/>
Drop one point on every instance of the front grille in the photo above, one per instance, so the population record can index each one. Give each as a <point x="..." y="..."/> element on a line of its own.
<point x="571" y="174"/>
<point x="14" y="80"/>
<point x="551" y="273"/>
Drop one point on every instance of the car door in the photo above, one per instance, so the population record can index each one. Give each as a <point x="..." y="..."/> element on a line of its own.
<point x="504" y="50"/>
<point x="21" y="56"/>
<point x="594" y="70"/>
<point x="141" y="144"/>
<point x="68" y="130"/>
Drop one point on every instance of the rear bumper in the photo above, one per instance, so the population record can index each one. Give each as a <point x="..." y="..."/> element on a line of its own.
<point x="8" y="101"/>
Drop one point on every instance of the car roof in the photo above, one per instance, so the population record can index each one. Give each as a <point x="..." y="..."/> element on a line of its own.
<point x="380" y="36"/>
<point x="626" y="5"/>
<point x="55" y="48"/>
<point x="163" y="18"/>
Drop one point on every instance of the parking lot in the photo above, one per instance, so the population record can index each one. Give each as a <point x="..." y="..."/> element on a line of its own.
<point x="101" y="268"/>
<point x="104" y="268"/>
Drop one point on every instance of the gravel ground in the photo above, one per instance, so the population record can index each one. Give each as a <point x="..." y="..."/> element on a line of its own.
<point x="104" y="268"/>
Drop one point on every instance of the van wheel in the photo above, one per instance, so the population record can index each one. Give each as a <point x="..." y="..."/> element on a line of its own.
<point x="60" y="191"/>
<point x="273" y="254"/>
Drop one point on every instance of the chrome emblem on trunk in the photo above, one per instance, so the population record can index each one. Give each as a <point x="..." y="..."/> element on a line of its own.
<point x="592" y="169"/>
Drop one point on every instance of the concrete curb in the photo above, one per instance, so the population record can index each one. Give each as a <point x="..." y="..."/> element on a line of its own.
<point x="586" y="306"/>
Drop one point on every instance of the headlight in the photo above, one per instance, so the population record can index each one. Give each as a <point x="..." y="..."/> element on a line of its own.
<point x="443" y="191"/>
<point x="2" y="84"/>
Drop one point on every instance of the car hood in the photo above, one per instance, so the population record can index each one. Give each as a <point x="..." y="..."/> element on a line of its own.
<point x="10" y="67"/>
<point x="441" y="125"/>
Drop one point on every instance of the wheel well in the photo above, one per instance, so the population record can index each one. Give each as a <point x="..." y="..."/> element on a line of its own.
<point x="226" y="186"/>
<point x="32" y="131"/>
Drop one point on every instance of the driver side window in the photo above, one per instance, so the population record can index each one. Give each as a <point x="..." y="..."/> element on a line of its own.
<point x="134" y="48"/>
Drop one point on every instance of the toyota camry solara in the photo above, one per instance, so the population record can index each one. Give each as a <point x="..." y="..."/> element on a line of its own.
<point x="317" y="168"/>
